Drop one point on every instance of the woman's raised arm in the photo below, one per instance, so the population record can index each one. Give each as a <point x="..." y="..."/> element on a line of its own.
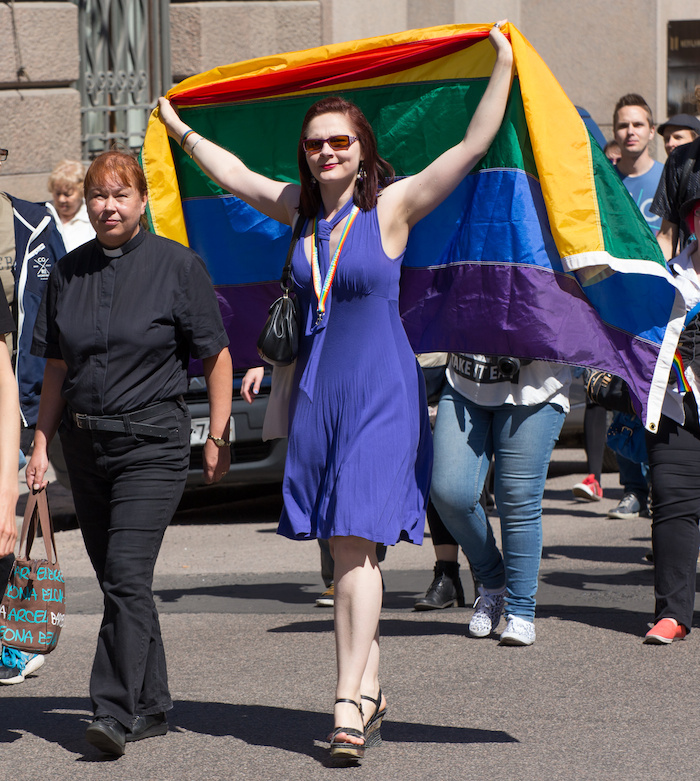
<point x="278" y="200"/>
<point x="414" y="197"/>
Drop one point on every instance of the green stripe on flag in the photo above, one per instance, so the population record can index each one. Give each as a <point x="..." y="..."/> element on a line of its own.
<point x="625" y="231"/>
<point x="414" y="123"/>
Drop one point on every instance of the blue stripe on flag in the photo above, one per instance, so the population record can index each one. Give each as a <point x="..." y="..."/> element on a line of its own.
<point x="239" y="244"/>
<point x="494" y="216"/>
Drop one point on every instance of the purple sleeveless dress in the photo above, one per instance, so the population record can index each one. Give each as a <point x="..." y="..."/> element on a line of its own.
<point x="360" y="448"/>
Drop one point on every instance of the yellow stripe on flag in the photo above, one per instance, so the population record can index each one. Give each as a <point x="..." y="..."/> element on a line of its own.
<point x="165" y="204"/>
<point x="564" y="163"/>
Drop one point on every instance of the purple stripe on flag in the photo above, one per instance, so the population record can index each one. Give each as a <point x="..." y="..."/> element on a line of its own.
<point x="244" y="309"/>
<point x="524" y="311"/>
<point x="479" y="308"/>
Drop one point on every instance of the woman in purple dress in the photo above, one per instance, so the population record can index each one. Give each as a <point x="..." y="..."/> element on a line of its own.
<point x="359" y="459"/>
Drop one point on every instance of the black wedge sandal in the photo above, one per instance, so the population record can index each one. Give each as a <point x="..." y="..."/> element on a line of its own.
<point x="373" y="736"/>
<point x="343" y="752"/>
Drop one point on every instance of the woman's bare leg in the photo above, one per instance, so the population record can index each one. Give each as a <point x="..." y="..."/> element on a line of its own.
<point x="358" y="603"/>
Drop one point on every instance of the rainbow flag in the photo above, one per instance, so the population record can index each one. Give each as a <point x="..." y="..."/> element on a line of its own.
<point x="539" y="253"/>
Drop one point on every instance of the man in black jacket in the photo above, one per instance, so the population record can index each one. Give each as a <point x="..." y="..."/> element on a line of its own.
<point x="679" y="183"/>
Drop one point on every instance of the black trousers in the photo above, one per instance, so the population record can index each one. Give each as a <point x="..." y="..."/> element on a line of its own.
<point x="126" y="489"/>
<point x="674" y="462"/>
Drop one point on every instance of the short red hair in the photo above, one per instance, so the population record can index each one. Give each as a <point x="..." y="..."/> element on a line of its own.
<point x="117" y="165"/>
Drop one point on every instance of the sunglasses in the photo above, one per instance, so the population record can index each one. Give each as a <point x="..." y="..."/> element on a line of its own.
<point x="3" y="155"/>
<point x="334" y="142"/>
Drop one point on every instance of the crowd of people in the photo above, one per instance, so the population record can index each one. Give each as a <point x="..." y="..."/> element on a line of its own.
<point x="112" y="314"/>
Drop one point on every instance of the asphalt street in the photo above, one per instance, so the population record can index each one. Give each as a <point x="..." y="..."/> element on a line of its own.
<point x="251" y="661"/>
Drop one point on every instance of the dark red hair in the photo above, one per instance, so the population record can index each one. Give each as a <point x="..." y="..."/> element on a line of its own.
<point x="377" y="172"/>
<point x="690" y="214"/>
<point x="117" y="165"/>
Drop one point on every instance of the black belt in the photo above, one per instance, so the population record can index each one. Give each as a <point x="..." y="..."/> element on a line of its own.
<point x="128" y="422"/>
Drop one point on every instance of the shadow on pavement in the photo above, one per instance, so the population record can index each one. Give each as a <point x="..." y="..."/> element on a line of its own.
<point x="284" y="592"/>
<point x="389" y="627"/>
<point x="62" y="721"/>
<point x="565" y="495"/>
<point x="608" y="553"/>
<point x="287" y="593"/>
<point x="576" y="510"/>
<point x="598" y="588"/>
<point x="603" y="582"/>
<point x="58" y="720"/>
<point x="625" y="622"/>
<point x="230" y="504"/>
<point x="294" y="730"/>
<point x="404" y="600"/>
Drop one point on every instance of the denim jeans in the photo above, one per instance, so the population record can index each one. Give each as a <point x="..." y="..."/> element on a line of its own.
<point x="634" y="478"/>
<point x="521" y="440"/>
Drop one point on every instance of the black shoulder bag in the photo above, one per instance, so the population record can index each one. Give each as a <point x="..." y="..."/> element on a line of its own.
<point x="278" y="343"/>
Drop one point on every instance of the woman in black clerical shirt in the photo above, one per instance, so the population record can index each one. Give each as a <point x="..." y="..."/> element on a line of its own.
<point x="120" y="317"/>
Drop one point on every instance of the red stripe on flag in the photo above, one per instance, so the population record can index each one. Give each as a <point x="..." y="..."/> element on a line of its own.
<point x="327" y="73"/>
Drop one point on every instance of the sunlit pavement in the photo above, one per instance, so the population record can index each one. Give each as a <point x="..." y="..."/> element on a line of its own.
<point x="251" y="661"/>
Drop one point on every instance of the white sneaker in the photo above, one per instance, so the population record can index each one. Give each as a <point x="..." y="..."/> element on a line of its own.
<point x="327" y="599"/>
<point x="489" y="609"/>
<point x="518" y="631"/>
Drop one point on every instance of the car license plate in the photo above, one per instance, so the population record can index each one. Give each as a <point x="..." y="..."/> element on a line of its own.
<point x="200" y="430"/>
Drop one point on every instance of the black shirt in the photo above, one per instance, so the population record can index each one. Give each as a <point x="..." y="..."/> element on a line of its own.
<point x="7" y="322"/>
<point x="126" y="325"/>
<point x="670" y="196"/>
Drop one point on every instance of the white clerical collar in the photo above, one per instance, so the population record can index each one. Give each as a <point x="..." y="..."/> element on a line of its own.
<point x="133" y="242"/>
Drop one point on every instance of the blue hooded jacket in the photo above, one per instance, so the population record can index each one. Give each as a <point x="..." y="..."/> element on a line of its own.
<point x="38" y="246"/>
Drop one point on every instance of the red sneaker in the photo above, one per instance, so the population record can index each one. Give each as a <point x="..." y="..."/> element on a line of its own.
<point x="664" y="632"/>
<point x="589" y="490"/>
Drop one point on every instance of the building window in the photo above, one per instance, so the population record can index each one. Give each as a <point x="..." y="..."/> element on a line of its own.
<point x="125" y="66"/>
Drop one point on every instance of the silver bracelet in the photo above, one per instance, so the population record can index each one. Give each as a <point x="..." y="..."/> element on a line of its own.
<point x="191" y="153"/>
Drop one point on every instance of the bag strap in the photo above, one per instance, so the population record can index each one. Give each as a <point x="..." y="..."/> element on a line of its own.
<point x="47" y="527"/>
<point x="286" y="280"/>
<point x="36" y="514"/>
<point x="26" y="537"/>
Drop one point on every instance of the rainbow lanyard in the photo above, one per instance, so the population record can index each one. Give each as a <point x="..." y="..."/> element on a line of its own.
<point x="322" y="292"/>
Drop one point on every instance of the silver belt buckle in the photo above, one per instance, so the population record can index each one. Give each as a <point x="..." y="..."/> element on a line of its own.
<point x="80" y="420"/>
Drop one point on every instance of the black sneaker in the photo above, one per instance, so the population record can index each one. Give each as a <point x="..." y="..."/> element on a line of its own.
<point x="445" y="590"/>
<point x="147" y="727"/>
<point x="106" y="734"/>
